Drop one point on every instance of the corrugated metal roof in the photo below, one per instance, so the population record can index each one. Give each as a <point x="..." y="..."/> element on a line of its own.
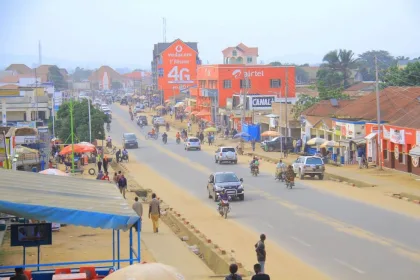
<point x="66" y="200"/>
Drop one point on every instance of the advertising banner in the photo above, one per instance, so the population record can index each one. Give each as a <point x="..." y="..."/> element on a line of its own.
<point x="418" y="137"/>
<point x="397" y="136"/>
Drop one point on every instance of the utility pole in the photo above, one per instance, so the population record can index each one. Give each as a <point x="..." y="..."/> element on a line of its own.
<point x="53" y="115"/>
<point x="378" y="115"/>
<point x="244" y="96"/>
<point x="279" y="126"/>
<point x="286" y="93"/>
<point x="90" y="122"/>
<point x="72" y="134"/>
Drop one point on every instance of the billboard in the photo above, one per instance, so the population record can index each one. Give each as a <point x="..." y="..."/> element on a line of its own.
<point x="261" y="102"/>
<point x="178" y="69"/>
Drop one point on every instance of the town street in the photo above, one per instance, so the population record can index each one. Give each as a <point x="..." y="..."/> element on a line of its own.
<point x="343" y="238"/>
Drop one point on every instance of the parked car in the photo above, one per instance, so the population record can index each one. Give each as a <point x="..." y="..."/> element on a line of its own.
<point x="130" y="140"/>
<point x="226" y="154"/>
<point x="192" y="143"/>
<point x="227" y="181"/>
<point x="309" y="165"/>
<point x="277" y="144"/>
<point x="138" y="109"/>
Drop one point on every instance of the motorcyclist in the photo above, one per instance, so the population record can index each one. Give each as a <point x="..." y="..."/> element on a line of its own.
<point x="280" y="169"/>
<point x="223" y="196"/>
<point x="164" y="137"/>
<point x="153" y="132"/>
<point x="178" y="135"/>
<point x="124" y="154"/>
<point x="290" y="174"/>
<point x="255" y="164"/>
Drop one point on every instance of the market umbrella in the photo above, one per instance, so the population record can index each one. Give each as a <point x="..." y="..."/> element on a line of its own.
<point x="146" y="271"/>
<point x="316" y="141"/>
<point x="210" y="129"/>
<point x="160" y="107"/>
<point x="241" y="135"/>
<point x="86" y="144"/>
<point x="194" y="112"/>
<point x="53" y="171"/>
<point x="328" y="144"/>
<point x="78" y="148"/>
<point x="270" y="133"/>
<point x="179" y="104"/>
<point x="25" y="150"/>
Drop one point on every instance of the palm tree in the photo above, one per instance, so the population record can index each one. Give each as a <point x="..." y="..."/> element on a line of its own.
<point x="340" y="61"/>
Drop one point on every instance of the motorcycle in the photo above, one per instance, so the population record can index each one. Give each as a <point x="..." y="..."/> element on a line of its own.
<point x="164" y="140"/>
<point x="290" y="184"/>
<point x="109" y="145"/>
<point x="255" y="170"/>
<point x="280" y="176"/>
<point x="178" y="140"/>
<point x="224" y="207"/>
<point x="108" y="128"/>
<point x="152" y="136"/>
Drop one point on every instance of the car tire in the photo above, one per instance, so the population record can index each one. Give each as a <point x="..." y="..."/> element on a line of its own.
<point x="301" y="176"/>
<point x="321" y="176"/>
<point x="214" y="197"/>
<point x="241" y="197"/>
<point x="270" y="149"/>
<point x="235" y="162"/>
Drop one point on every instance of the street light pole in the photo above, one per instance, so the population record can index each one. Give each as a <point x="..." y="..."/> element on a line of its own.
<point x="90" y="123"/>
<point x="378" y="115"/>
<point x="53" y="115"/>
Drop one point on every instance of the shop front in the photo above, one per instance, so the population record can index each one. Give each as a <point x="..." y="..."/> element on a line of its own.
<point x="396" y="144"/>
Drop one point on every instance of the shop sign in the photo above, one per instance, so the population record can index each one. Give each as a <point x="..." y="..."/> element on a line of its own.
<point x="261" y="102"/>
<point x="415" y="161"/>
<point x="397" y="136"/>
<point x="396" y="152"/>
<point x="30" y="139"/>
<point x="386" y="133"/>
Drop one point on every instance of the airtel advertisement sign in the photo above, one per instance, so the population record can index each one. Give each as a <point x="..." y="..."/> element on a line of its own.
<point x="238" y="73"/>
<point x="179" y="64"/>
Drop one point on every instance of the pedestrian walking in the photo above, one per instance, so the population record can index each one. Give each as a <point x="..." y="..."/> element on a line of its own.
<point x="138" y="208"/>
<point x="154" y="212"/>
<point x="253" y="144"/>
<point x="233" y="269"/>
<point x="209" y="138"/>
<point x="118" y="155"/>
<point x="261" y="253"/>
<point x="105" y="164"/>
<point x="122" y="185"/>
<point x="99" y="162"/>
<point x="115" y="179"/>
<point x="258" y="274"/>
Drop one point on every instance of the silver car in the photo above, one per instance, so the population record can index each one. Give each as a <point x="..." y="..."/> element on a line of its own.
<point x="309" y="165"/>
<point x="226" y="154"/>
<point x="227" y="181"/>
<point x="192" y="143"/>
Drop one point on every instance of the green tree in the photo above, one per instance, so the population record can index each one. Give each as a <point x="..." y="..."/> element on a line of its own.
<point x="401" y="57"/>
<point x="81" y="74"/>
<point x="301" y="75"/>
<point x="338" y="62"/>
<point x="55" y="76"/>
<point x="275" y="63"/>
<point x="80" y="122"/>
<point x="303" y="102"/>
<point x="366" y="63"/>
<point x="406" y="77"/>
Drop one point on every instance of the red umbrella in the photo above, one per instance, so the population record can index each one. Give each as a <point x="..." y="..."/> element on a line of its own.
<point x="78" y="148"/>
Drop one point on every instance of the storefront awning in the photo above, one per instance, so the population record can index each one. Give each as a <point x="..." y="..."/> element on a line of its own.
<point x="371" y="136"/>
<point x="415" y="152"/>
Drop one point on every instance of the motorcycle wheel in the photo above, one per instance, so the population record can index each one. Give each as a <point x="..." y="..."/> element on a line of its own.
<point x="226" y="211"/>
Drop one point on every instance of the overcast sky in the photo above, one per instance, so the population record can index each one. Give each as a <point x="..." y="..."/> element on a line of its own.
<point x="122" y="33"/>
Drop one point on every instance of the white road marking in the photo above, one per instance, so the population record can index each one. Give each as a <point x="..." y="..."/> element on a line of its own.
<point x="343" y="263"/>
<point x="300" y="241"/>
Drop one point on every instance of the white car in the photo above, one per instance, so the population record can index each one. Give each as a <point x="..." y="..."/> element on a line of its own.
<point x="226" y="154"/>
<point x="138" y="109"/>
<point x="192" y="143"/>
<point x="159" y="121"/>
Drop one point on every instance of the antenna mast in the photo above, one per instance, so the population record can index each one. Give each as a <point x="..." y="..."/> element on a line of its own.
<point x="39" y="53"/>
<point x="164" y="30"/>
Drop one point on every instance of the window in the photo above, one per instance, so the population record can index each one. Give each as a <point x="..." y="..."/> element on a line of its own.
<point x="275" y="83"/>
<point x="249" y="59"/>
<point x="225" y="150"/>
<point x="160" y="72"/>
<point x="313" y="160"/>
<point x="234" y="53"/>
<point x="246" y="83"/>
<point x="226" y="177"/>
<point x="227" y="84"/>
<point x="160" y="60"/>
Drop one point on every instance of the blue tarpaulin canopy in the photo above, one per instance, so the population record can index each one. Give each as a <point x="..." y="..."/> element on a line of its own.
<point x="65" y="200"/>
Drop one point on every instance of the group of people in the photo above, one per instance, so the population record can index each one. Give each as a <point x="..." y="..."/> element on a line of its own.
<point x="259" y="268"/>
<point x="287" y="171"/>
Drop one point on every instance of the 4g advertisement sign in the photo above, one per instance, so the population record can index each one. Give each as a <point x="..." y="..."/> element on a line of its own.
<point x="179" y="63"/>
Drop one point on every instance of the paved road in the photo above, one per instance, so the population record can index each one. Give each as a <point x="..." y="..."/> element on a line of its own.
<point x="343" y="238"/>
